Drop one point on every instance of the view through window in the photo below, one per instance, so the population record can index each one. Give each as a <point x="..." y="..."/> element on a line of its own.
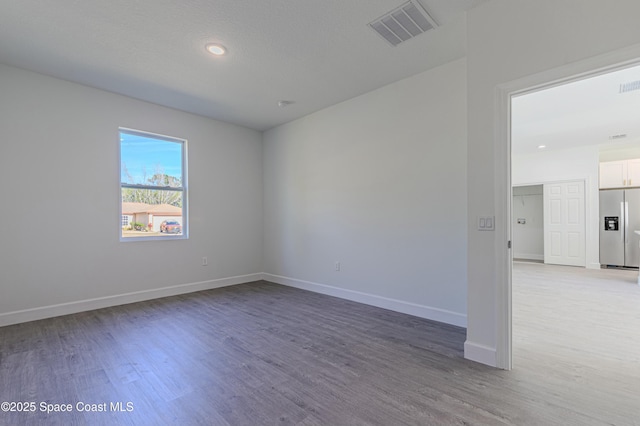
<point x="152" y="186"/>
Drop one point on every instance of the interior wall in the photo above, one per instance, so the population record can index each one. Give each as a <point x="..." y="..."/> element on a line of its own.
<point x="60" y="250"/>
<point x="579" y="163"/>
<point x="509" y="40"/>
<point x="378" y="184"/>
<point x="527" y="223"/>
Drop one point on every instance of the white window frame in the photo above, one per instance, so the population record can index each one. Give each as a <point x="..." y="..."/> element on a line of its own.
<point x="184" y="188"/>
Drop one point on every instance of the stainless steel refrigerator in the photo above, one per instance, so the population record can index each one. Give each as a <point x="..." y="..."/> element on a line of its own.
<point x="619" y="218"/>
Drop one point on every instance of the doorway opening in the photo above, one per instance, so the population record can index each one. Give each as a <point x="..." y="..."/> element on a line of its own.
<point x="558" y="135"/>
<point x="527" y="223"/>
<point x="548" y="223"/>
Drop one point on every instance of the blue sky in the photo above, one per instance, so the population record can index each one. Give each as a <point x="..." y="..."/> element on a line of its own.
<point x="145" y="153"/>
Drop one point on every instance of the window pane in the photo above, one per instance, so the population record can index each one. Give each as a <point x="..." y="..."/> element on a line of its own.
<point x="152" y="185"/>
<point x="147" y="160"/>
<point x="151" y="212"/>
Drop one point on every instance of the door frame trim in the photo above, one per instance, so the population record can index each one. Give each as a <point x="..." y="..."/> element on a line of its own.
<point x="591" y="67"/>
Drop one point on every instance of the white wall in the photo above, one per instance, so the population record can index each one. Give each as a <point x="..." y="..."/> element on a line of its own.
<point x="562" y="165"/>
<point x="59" y="160"/>
<point x="510" y="40"/>
<point x="378" y="184"/>
<point x="527" y="238"/>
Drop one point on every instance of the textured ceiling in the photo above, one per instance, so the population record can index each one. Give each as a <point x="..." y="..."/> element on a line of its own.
<point x="316" y="53"/>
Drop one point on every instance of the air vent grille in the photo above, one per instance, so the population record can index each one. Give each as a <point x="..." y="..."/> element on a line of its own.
<point x="619" y="136"/>
<point x="403" y="23"/>
<point x="630" y="87"/>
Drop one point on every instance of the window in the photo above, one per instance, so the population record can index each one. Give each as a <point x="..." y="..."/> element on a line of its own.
<point x="153" y="188"/>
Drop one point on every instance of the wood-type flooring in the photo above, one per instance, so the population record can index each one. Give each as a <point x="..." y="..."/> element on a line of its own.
<point x="265" y="354"/>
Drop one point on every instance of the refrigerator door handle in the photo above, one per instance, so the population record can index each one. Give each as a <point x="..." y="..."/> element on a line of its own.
<point x="623" y="217"/>
<point x="626" y="222"/>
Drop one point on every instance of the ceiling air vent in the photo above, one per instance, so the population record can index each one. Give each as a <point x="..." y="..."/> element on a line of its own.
<point x="618" y="136"/>
<point x="403" y="23"/>
<point x="630" y="87"/>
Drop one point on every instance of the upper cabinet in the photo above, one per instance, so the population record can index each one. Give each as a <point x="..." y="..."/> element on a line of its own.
<point x="620" y="174"/>
<point x="633" y="172"/>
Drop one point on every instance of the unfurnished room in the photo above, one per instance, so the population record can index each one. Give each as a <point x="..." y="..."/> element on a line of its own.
<point x="356" y="212"/>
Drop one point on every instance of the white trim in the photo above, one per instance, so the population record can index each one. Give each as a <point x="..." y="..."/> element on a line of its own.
<point x="33" y="314"/>
<point x="480" y="353"/>
<point x="422" y="311"/>
<point x="502" y="355"/>
<point x="427" y="312"/>
<point x="589" y="67"/>
<point x="527" y="256"/>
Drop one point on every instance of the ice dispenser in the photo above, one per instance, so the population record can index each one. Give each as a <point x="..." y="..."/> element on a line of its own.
<point x="611" y="223"/>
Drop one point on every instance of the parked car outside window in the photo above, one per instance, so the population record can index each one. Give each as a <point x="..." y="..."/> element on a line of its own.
<point x="171" y="227"/>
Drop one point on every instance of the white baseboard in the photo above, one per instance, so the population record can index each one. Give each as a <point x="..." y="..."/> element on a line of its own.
<point x="593" y="265"/>
<point x="422" y="311"/>
<point x="528" y="256"/>
<point x="480" y="353"/>
<point x="427" y="312"/>
<point x="26" y="315"/>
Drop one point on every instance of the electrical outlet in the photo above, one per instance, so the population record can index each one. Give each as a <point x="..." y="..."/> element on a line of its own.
<point x="205" y="262"/>
<point x="337" y="266"/>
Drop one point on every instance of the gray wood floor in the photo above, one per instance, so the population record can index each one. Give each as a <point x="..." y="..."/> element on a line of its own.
<point x="263" y="354"/>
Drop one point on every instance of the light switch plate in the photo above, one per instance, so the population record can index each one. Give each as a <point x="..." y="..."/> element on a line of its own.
<point x="486" y="223"/>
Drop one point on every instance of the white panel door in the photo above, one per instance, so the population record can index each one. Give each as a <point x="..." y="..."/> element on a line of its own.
<point x="564" y="223"/>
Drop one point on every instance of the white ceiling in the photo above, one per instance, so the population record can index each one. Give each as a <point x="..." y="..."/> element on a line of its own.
<point x="316" y="53"/>
<point x="584" y="112"/>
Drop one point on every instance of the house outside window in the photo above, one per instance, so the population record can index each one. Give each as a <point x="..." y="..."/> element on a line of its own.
<point x="153" y="190"/>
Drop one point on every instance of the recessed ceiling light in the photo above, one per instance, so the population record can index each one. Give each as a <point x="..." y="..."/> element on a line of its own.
<point x="542" y="146"/>
<point x="216" y="49"/>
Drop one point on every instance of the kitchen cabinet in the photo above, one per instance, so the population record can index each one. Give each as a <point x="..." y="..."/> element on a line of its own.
<point x="633" y="172"/>
<point x="620" y="174"/>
